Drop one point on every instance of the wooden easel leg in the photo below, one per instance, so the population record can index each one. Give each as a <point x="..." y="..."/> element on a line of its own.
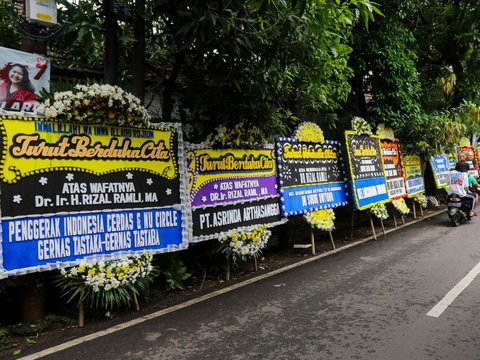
<point x="395" y="218"/>
<point x="227" y="269"/>
<point x="255" y="265"/>
<point x="383" y="227"/>
<point x="403" y="220"/>
<point x="373" y="228"/>
<point x="421" y="210"/>
<point x="352" y="223"/>
<point x="331" y="240"/>
<point x="81" y="315"/>
<point x="135" y="302"/>
<point x="312" y="239"/>
<point x="414" y="210"/>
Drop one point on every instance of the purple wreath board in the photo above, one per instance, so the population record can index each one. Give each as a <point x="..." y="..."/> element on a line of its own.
<point x="231" y="189"/>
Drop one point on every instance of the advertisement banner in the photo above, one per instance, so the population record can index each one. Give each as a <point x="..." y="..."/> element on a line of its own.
<point x="71" y="192"/>
<point x="441" y="170"/>
<point x="413" y="175"/>
<point x="22" y="76"/>
<point x="366" y="170"/>
<point x="392" y="163"/>
<point x="311" y="176"/>
<point x="231" y="188"/>
<point x="468" y="154"/>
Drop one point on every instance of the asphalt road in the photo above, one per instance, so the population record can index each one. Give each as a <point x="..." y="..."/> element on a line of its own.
<point x="368" y="302"/>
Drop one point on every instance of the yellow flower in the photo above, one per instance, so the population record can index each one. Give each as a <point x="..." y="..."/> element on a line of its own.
<point x="91" y="272"/>
<point x="81" y="269"/>
<point x="308" y="131"/>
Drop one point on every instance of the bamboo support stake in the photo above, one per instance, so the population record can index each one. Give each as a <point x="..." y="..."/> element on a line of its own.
<point x="383" y="227"/>
<point x="255" y="265"/>
<point x="331" y="239"/>
<point x="81" y="314"/>
<point x="395" y="218"/>
<point x="135" y="302"/>
<point x="352" y="224"/>
<point x="403" y="220"/>
<point x="312" y="239"/>
<point x="414" y="210"/>
<point x="421" y="210"/>
<point x="373" y="227"/>
<point x="227" y="269"/>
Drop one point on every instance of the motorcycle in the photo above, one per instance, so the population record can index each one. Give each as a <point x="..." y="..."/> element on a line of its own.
<point x="458" y="210"/>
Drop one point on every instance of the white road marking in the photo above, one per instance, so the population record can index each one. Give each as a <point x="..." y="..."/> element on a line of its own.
<point x="443" y="304"/>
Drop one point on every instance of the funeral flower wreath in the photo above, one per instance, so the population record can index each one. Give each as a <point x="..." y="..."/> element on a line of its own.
<point x="244" y="244"/>
<point x="401" y="206"/>
<point x="421" y="199"/>
<point x="107" y="284"/>
<point x="321" y="219"/>
<point x="96" y="104"/>
<point x="380" y="211"/>
<point x="361" y="127"/>
<point x="308" y="131"/>
<point x="240" y="136"/>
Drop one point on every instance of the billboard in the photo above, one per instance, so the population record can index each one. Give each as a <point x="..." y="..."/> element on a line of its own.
<point x="469" y="155"/>
<point x="441" y="170"/>
<point x="22" y="77"/>
<point x="366" y="169"/>
<point x="392" y="162"/>
<point x="311" y="175"/>
<point x="91" y="192"/>
<point x="231" y="189"/>
<point x="413" y="175"/>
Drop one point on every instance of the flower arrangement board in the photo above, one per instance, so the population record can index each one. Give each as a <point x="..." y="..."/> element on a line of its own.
<point x="29" y="74"/>
<point x="452" y="160"/>
<point x="441" y="170"/>
<point x="392" y="162"/>
<point x="231" y="189"/>
<point x="366" y="169"/>
<point x="89" y="192"/>
<point x="412" y="166"/>
<point x="468" y="154"/>
<point x="311" y="176"/>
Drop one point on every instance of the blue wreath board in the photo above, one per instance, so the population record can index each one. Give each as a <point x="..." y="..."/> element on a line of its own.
<point x="311" y="176"/>
<point x="366" y="169"/>
<point x="441" y="170"/>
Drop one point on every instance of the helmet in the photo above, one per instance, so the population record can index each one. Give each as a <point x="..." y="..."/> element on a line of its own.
<point x="462" y="166"/>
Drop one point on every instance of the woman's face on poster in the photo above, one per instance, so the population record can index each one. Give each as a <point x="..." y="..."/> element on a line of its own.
<point x="16" y="75"/>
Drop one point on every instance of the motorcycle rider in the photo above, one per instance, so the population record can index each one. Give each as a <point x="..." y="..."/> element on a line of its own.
<point x="459" y="185"/>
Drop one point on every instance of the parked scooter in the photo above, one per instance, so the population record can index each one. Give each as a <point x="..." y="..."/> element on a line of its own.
<point x="458" y="210"/>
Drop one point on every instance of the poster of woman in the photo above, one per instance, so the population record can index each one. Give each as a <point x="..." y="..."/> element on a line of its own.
<point x="22" y="77"/>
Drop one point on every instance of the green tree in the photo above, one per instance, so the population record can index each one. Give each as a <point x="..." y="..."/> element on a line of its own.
<point x="8" y="36"/>
<point x="259" y="62"/>
<point x="256" y="62"/>
<point x="415" y="68"/>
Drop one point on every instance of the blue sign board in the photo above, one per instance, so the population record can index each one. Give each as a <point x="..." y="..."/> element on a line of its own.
<point x="366" y="169"/>
<point x="441" y="170"/>
<point x="311" y="176"/>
